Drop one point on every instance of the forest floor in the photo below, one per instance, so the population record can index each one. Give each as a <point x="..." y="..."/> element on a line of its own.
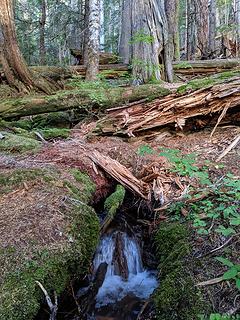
<point x="196" y="191"/>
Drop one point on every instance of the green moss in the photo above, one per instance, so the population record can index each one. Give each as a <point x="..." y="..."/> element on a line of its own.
<point x="53" y="133"/>
<point x="182" y="65"/>
<point x="18" y="143"/>
<point x="54" y="265"/>
<point x="87" y="187"/>
<point x="207" y="82"/>
<point x="9" y="180"/>
<point x="177" y="298"/>
<point x="196" y="84"/>
<point x="114" y="201"/>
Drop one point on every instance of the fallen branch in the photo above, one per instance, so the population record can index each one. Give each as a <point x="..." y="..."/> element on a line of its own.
<point x="229" y="148"/>
<point x="210" y="282"/>
<point x="52" y="306"/>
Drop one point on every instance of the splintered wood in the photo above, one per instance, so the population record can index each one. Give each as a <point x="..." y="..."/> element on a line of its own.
<point x="157" y="183"/>
<point x="121" y="174"/>
<point x="173" y="109"/>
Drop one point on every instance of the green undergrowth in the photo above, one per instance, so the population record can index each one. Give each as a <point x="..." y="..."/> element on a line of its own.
<point x="54" y="264"/>
<point x="114" y="201"/>
<point x="176" y="298"/>
<point x="207" y="82"/>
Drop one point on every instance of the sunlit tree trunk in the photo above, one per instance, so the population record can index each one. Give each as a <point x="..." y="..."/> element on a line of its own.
<point x="144" y="39"/>
<point x="172" y="13"/>
<point x="93" y="40"/>
<point x="42" y="23"/>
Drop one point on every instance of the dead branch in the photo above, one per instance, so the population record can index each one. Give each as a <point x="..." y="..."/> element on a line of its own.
<point x="229" y="148"/>
<point x="52" y="306"/>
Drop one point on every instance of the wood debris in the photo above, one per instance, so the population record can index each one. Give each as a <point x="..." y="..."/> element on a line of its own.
<point x="172" y="109"/>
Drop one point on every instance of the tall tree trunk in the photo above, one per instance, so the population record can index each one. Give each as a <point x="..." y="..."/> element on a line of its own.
<point x="237" y="20"/>
<point x="14" y="66"/>
<point x="191" y="29"/>
<point x="125" y="49"/>
<point x="86" y="31"/>
<point x="42" y="23"/>
<point x="93" y="40"/>
<point x="172" y="13"/>
<point x="212" y="27"/>
<point x="202" y="27"/>
<point x="147" y="32"/>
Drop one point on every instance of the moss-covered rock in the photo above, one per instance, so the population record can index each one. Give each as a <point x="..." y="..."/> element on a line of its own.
<point x="177" y="298"/>
<point x="56" y="245"/>
<point x="18" y="143"/>
<point x="53" y="133"/>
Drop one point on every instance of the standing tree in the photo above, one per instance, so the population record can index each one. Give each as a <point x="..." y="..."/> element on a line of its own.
<point x="14" y="66"/>
<point x="237" y="21"/>
<point x="42" y="23"/>
<point x="144" y="39"/>
<point x="190" y="29"/>
<point x="172" y="13"/>
<point x="202" y="27"/>
<point x="212" y="27"/>
<point x="93" y="40"/>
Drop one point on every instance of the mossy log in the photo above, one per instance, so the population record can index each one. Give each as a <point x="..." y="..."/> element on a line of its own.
<point x="86" y="100"/>
<point x="176" y="109"/>
<point x="190" y="68"/>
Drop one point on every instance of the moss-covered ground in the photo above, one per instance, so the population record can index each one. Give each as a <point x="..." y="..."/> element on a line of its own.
<point x="48" y="234"/>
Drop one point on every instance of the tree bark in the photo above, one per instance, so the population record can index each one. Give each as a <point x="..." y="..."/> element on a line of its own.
<point x="172" y="13"/>
<point x="191" y="29"/>
<point x="14" y="66"/>
<point x="212" y="28"/>
<point x="237" y="19"/>
<point x="42" y="23"/>
<point x="202" y="27"/>
<point x="147" y="33"/>
<point x="93" y="40"/>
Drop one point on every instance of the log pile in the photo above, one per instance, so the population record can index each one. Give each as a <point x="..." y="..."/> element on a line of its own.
<point x="173" y="109"/>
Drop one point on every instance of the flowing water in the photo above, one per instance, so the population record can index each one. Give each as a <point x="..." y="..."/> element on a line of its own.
<point x="125" y="276"/>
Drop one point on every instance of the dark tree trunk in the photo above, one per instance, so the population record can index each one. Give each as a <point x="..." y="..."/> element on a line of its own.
<point x="191" y="30"/>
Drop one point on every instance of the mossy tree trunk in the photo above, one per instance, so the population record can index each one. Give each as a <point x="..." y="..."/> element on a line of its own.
<point x="172" y="13"/>
<point x="14" y="66"/>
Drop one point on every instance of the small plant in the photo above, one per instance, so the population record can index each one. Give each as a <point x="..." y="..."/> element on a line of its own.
<point x="218" y="316"/>
<point x="141" y="36"/>
<point x="233" y="272"/>
<point x="145" y="149"/>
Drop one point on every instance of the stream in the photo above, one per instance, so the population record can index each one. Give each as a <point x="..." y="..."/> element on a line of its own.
<point x="127" y="284"/>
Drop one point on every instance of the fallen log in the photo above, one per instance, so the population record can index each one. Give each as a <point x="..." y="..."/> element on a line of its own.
<point x="85" y="100"/>
<point x="174" y="109"/>
<point x="121" y="174"/>
<point x="203" y="67"/>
